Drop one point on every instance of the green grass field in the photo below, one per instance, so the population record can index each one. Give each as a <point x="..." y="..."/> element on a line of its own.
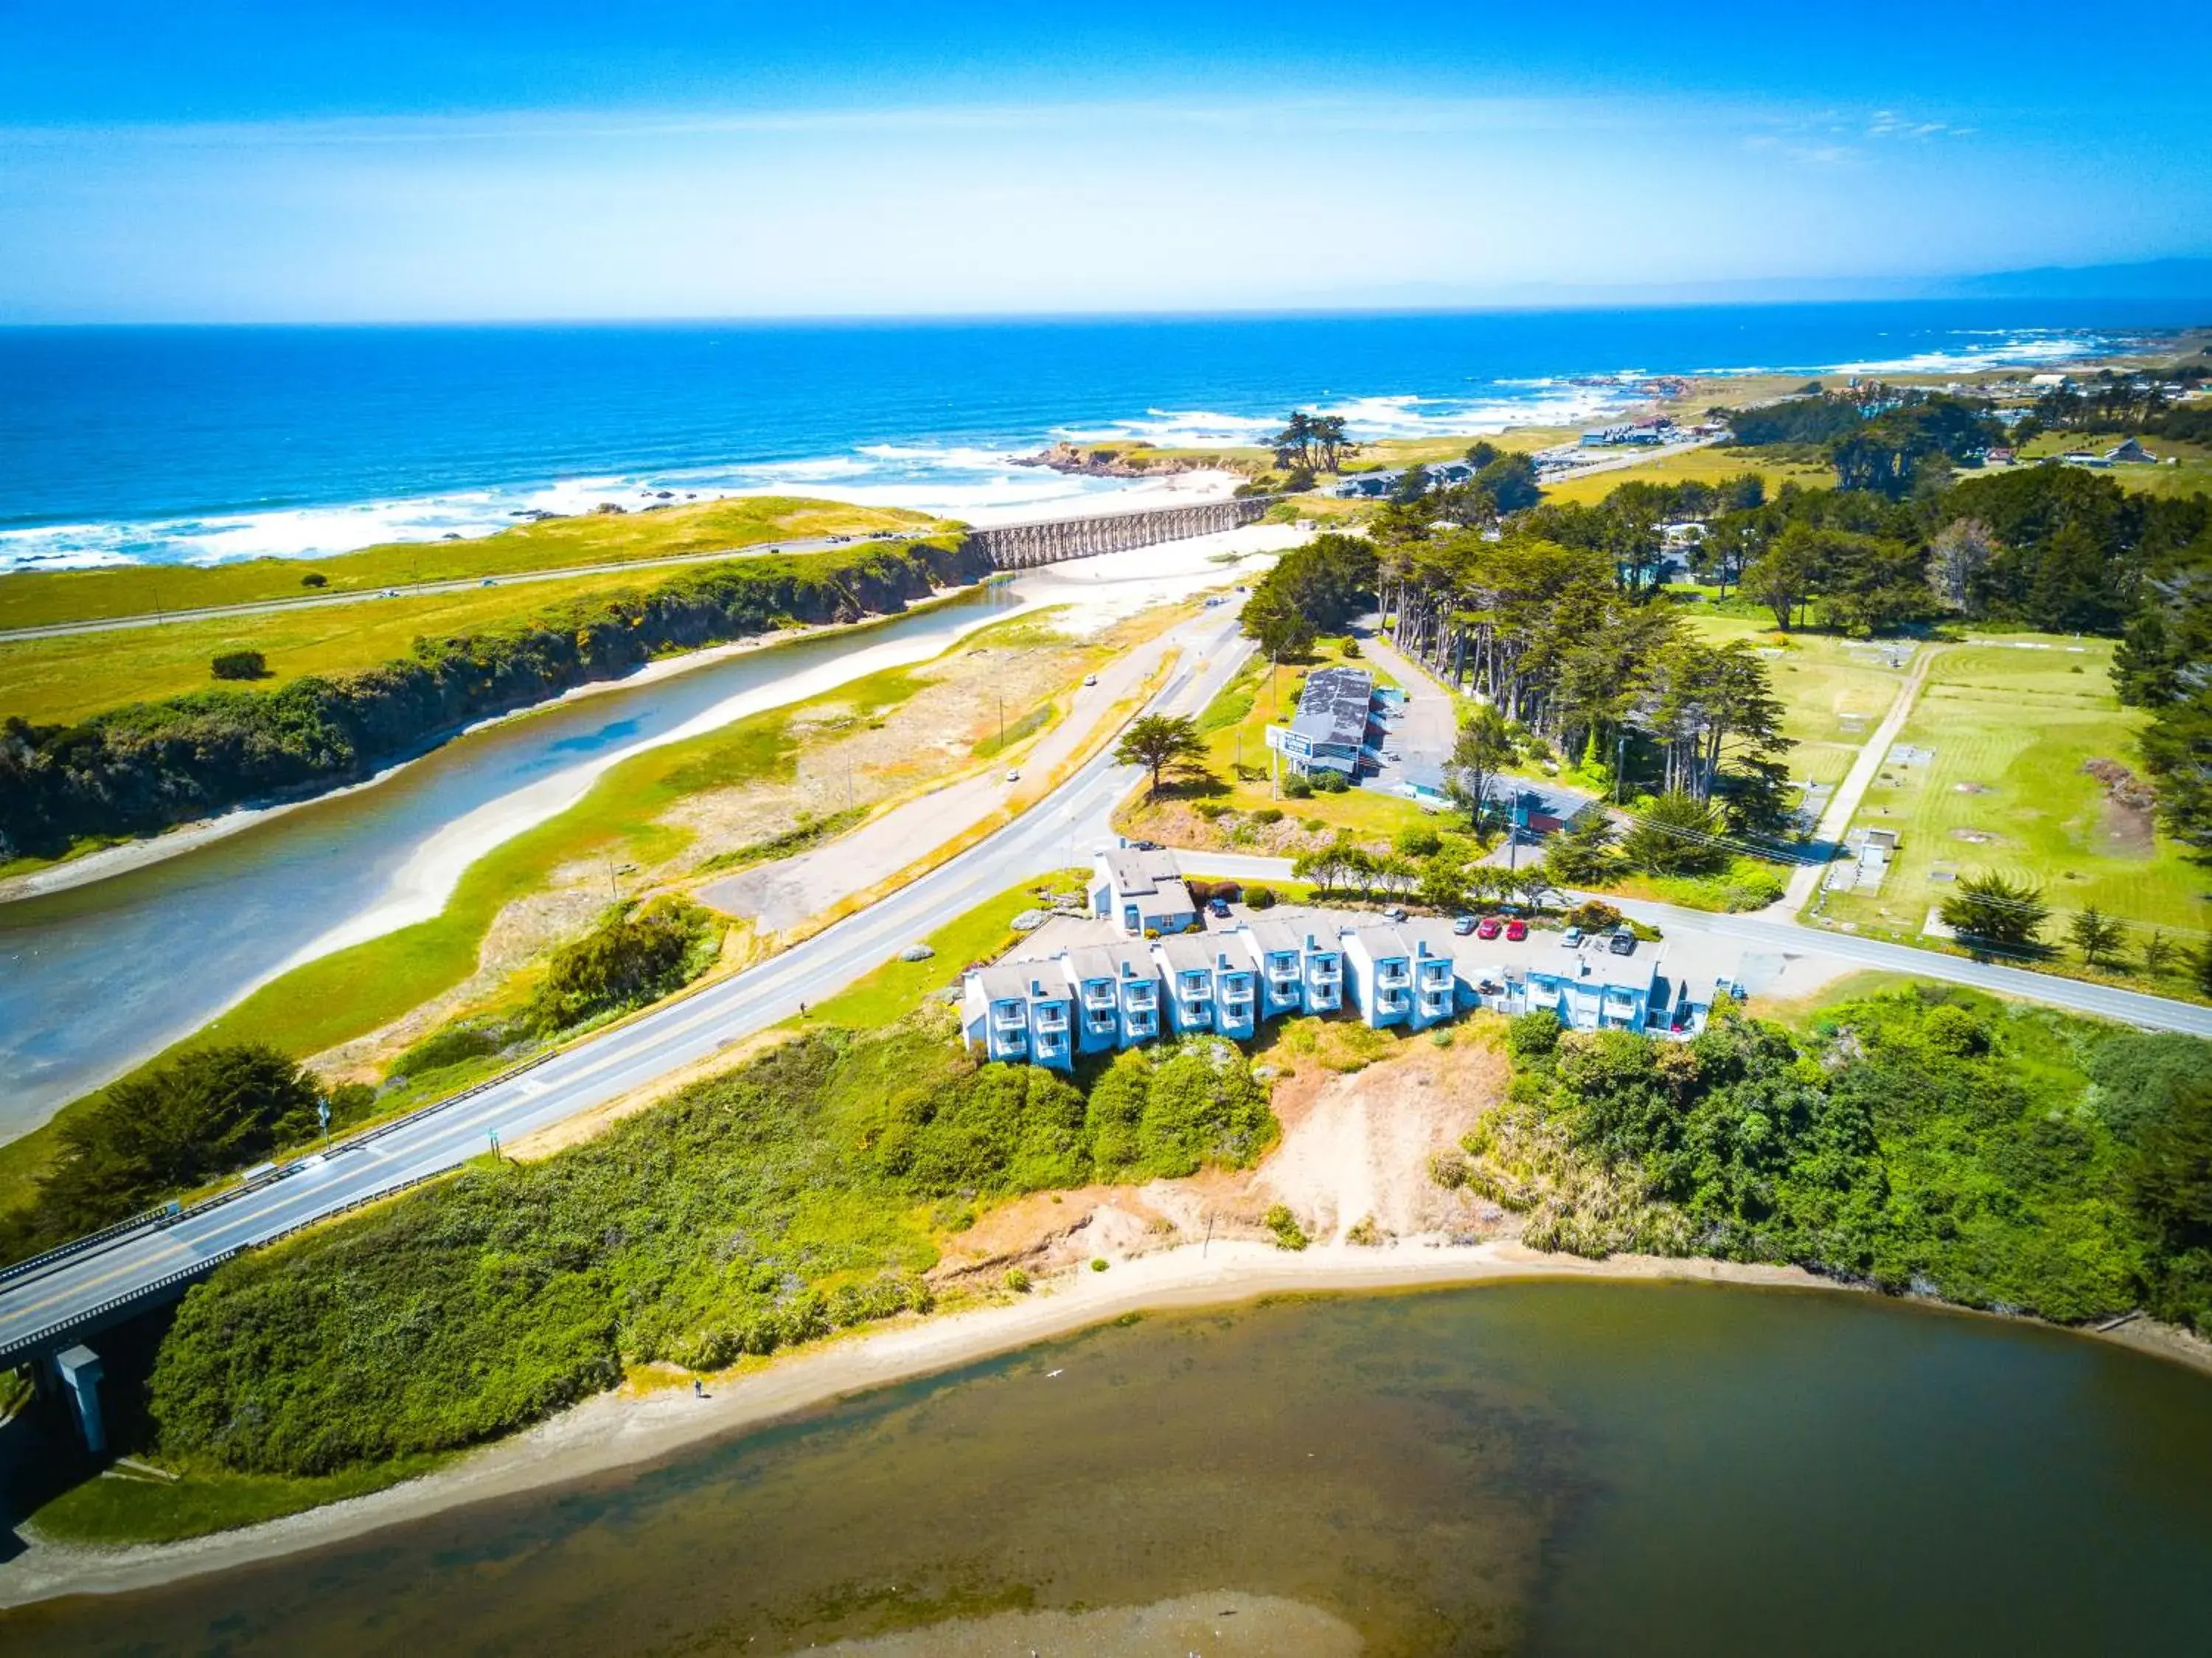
<point x="984" y="933"/>
<point x="67" y="677"/>
<point x="2010" y="726"/>
<point x="1707" y="465"/>
<point x="37" y="598"/>
<point x="2191" y="474"/>
<point x="1834" y="691"/>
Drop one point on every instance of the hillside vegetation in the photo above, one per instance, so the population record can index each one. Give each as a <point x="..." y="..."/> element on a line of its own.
<point x="137" y="769"/>
<point x="784" y="1199"/>
<point x="1928" y="1140"/>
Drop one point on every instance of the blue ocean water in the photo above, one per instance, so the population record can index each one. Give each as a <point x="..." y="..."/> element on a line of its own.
<point x="172" y="444"/>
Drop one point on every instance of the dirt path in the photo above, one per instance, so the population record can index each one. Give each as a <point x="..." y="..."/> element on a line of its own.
<point x="1844" y="805"/>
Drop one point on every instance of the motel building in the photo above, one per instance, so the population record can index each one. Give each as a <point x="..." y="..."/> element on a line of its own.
<point x="1083" y="987"/>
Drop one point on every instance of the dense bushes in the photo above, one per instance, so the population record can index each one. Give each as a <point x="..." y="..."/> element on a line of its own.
<point x="204" y="1114"/>
<point x="767" y="1206"/>
<point x="632" y="957"/>
<point x="137" y="769"/>
<point x="1928" y="1140"/>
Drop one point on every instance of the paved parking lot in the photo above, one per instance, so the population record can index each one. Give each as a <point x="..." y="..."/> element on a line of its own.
<point x="1426" y="724"/>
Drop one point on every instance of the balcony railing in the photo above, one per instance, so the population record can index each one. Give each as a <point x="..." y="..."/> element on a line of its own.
<point x="1282" y="972"/>
<point x="1098" y="995"/>
<point x="1391" y="1002"/>
<point x="1009" y="1018"/>
<point x="1236" y="990"/>
<point x="1325" y="972"/>
<point x="1052" y="1018"/>
<point x="1194" y="987"/>
<point x="1392" y="978"/>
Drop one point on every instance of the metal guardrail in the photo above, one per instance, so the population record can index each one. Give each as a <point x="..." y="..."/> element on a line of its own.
<point x="164" y="1217"/>
<point x="78" y="1245"/>
<point x="24" y="1346"/>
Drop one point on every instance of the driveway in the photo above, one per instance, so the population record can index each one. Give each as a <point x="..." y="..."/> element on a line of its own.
<point x="1428" y="723"/>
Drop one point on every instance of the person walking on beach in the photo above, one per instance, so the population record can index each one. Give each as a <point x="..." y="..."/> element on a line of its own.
<point x="698" y="1388"/>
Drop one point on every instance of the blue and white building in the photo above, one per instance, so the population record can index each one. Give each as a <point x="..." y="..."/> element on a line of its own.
<point x="1117" y="996"/>
<point x="1300" y="967"/>
<point x="1211" y="984"/>
<point x="1141" y="892"/>
<point x="1022" y="1012"/>
<point x="1403" y="973"/>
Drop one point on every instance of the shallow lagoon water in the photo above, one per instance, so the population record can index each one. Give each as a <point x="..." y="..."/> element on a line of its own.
<point x="1541" y="1468"/>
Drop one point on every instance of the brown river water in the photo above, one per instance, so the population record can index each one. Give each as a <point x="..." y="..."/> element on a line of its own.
<point x="1541" y="1468"/>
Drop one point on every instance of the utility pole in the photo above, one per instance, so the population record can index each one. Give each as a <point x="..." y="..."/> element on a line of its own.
<point x="1619" y="761"/>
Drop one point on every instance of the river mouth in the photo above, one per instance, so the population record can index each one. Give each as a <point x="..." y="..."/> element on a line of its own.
<point x="1541" y="1468"/>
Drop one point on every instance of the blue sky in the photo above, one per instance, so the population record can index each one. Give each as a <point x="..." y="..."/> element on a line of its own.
<point x="399" y="159"/>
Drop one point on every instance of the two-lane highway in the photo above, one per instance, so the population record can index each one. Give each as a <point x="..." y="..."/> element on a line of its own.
<point x="1066" y="824"/>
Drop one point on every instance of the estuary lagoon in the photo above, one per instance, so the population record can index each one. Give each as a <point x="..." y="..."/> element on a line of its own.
<point x="1541" y="1468"/>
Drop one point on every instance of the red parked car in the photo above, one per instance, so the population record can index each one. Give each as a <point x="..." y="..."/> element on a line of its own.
<point x="1517" y="929"/>
<point x="1488" y="927"/>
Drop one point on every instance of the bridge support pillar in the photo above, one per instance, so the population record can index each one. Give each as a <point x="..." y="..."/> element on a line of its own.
<point x="78" y="1371"/>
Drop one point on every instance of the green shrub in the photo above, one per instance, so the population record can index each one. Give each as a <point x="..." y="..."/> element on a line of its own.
<point x="314" y="578"/>
<point x="1295" y="787"/>
<point x="1330" y="782"/>
<point x="240" y="665"/>
<point x="1259" y="897"/>
<point x="1211" y="810"/>
<point x="1289" y="1234"/>
<point x="632" y="957"/>
<point x="1532" y="1035"/>
<point x="1098" y="1263"/>
<point x="451" y="1046"/>
<point x="1018" y="1281"/>
<point x="1268" y="816"/>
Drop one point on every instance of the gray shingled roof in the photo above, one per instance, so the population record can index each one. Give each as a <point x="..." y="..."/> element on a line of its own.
<point x="1334" y="706"/>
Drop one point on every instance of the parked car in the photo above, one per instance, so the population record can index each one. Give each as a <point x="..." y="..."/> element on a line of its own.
<point x="1014" y="776"/>
<point x="1217" y="908"/>
<point x="1623" y="942"/>
<point x="1462" y="925"/>
<point x="1392" y="754"/>
<point x="1091" y="679"/>
<point x="1489" y="927"/>
<point x="1517" y="929"/>
<point x="1394" y="914"/>
<point x="1572" y="937"/>
<point x="1144" y="846"/>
